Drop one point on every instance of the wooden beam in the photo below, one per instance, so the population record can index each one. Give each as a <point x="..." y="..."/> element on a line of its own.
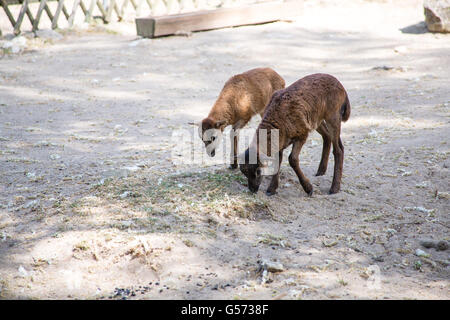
<point x="109" y="11"/>
<point x="38" y="15"/>
<point x="49" y="13"/>
<point x="8" y="13"/>
<point x="102" y="10"/>
<point x="124" y="5"/>
<point x="66" y="13"/>
<point x="21" y="1"/>
<point x="152" y="27"/>
<point x="74" y="12"/>
<point x="83" y="7"/>
<point x="88" y="17"/>
<point x="117" y="10"/>
<point x="57" y="13"/>
<point x="29" y="15"/>
<point x="20" y="18"/>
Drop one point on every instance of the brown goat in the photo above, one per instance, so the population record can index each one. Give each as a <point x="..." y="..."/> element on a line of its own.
<point x="243" y="96"/>
<point x="315" y="102"/>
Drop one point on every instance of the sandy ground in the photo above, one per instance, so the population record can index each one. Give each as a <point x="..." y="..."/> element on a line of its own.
<point x="92" y="206"/>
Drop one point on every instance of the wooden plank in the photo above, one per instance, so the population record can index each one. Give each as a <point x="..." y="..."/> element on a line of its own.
<point x="139" y="7"/>
<point x="109" y="11"/>
<point x="20" y="1"/>
<point x="57" y="13"/>
<point x="20" y="18"/>
<point x="8" y="13"/>
<point x="102" y="9"/>
<point x="49" y="13"/>
<point x="117" y="10"/>
<point x="38" y="14"/>
<point x="66" y="13"/>
<point x="152" y="27"/>
<point x="83" y="7"/>
<point x="150" y="5"/>
<point x="74" y="11"/>
<point x="90" y="10"/>
<point x="29" y="15"/>
<point x="134" y="4"/>
<point x="124" y="6"/>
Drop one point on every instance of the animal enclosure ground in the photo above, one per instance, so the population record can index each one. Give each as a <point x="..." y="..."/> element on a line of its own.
<point x="91" y="207"/>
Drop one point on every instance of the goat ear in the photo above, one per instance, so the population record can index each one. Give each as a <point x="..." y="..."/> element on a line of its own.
<point x="219" y="124"/>
<point x="194" y="123"/>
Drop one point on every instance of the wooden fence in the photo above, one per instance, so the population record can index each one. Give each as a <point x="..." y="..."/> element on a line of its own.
<point x="107" y="10"/>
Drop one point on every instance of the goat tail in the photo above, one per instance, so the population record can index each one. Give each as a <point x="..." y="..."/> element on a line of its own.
<point x="345" y="109"/>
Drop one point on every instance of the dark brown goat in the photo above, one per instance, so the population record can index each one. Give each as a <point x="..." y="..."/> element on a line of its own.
<point x="315" y="102"/>
<point x="243" y="96"/>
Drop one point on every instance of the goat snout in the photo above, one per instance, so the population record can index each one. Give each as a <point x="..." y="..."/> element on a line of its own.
<point x="211" y="148"/>
<point x="253" y="189"/>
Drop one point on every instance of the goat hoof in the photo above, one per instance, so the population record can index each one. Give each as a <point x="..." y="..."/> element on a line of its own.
<point x="333" y="191"/>
<point x="320" y="173"/>
<point x="310" y="193"/>
<point x="270" y="193"/>
<point x="233" y="166"/>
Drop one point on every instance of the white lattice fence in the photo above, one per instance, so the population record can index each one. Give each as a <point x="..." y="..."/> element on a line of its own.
<point x="29" y="15"/>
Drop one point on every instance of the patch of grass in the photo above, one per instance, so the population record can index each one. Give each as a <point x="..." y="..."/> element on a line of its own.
<point x="270" y="239"/>
<point x="418" y="265"/>
<point x="225" y="178"/>
<point x="342" y="282"/>
<point x="3" y="288"/>
<point x="373" y="218"/>
<point x="81" y="246"/>
<point x="75" y="204"/>
<point x="152" y="211"/>
<point x="198" y="193"/>
<point x="188" y="243"/>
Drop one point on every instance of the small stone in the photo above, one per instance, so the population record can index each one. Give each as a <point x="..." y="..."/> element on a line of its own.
<point x="16" y="45"/>
<point x="428" y="243"/>
<point x="438" y="245"/>
<point x="22" y="272"/>
<point x="125" y="194"/>
<point x="421" y="253"/>
<point x="442" y="245"/>
<point x="132" y="168"/>
<point x="48" y="34"/>
<point x="32" y="204"/>
<point x="271" y="266"/>
<point x="437" y="15"/>
<point x="378" y="259"/>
